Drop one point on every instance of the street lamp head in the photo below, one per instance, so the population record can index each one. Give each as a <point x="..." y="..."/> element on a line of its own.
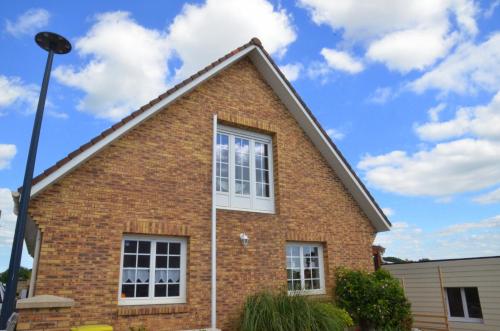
<point x="50" y="41"/>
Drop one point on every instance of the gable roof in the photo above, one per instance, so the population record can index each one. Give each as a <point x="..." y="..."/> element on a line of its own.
<point x="281" y="86"/>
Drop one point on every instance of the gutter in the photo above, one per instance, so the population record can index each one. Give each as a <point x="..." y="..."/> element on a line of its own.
<point x="214" y="230"/>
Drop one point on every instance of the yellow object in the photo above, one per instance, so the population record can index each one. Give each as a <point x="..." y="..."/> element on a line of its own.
<point x="93" y="328"/>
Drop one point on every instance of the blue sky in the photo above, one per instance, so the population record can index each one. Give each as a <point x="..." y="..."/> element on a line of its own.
<point x="409" y="90"/>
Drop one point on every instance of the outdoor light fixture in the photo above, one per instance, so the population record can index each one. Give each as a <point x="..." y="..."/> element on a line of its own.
<point x="53" y="44"/>
<point x="244" y="239"/>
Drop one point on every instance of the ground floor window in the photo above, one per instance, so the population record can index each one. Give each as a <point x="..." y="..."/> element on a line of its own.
<point x="153" y="270"/>
<point x="304" y="264"/>
<point x="463" y="304"/>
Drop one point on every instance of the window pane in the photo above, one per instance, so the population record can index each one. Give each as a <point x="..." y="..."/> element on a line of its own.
<point x="259" y="187"/>
<point x="224" y="155"/>
<point x="160" y="290"/>
<point x="130" y="246"/>
<point x="161" y="276"/>
<point x="222" y="162"/>
<point x="224" y="187"/>
<point x="174" y="262"/>
<point x="161" y="248"/>
<point x="143" y="261"/>
<point x="142" y="291"/>
<point x="293" y="262"/>
<point x="161" y="261"/>
<point x="293" y="251"/>
<point x="142" y="276"/>
<point x="455" y="302"/>
<point x="128" y="291"/>
<point x="173" y="290"/>
<point x="175" y="249"/>
<point x="174" y="276"/>
<point x="129" y="261"/>
<point x="246" y="188"/>
<point x="128" y="276"/>
<point x="316" y="284"/>
<point x="258" y="162"/>
<point x="144" y="247"/>
<point x="238" y="187"/>
<point x="224" y="170"/>
<point x="473" y="304"/>
<point x="242" y="166"/>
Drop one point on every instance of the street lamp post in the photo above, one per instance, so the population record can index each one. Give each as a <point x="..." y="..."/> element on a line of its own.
<point x="53" y="44"/>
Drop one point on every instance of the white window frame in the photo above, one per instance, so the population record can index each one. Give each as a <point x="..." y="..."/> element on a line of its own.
<point x="232" y="201"/>
<point x="151" y="299"/>
<point x="303" y="291"/>
<point x="466" y="317"/>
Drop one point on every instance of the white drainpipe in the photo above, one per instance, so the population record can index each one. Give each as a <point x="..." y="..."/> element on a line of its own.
<point x="214" y="229"/>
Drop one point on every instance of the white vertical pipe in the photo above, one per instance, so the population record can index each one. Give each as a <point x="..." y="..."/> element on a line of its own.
<point x="214" y="227"/>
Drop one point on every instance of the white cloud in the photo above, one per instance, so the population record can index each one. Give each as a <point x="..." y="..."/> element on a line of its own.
<point x="381" y="95"/>
<point x="291" y="71"/>
<point x="480" y="121"/>
<point x="388" y="211"/>
<point x="469" y="69"/>
<point x="341" y="61"/>
<point x="491" y="223"/>
<point x="7" y="219"/>
<point x="7" y="153"/>
<point x="404" y="50"/>
<point x="435" y="111"/>
<point x="466" y="162"/>
<point x="127" y="66"/>
<point x="464" y="165"/>
<point x="471" y="239"/>
<point x="404" y="35"/>
<point x="489" y="198"/>
<point x="13" y="91"/>
<point x="335" y="134"/>
<point x="127" y="63"/>
<point x="28" y="23"/>
<point x="202" y="33"/>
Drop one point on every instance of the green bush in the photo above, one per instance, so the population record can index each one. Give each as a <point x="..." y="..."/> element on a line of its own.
<point x="374" y="300"/>
<point x="268" y="311"/>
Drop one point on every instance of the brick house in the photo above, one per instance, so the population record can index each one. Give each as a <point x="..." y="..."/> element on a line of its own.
<point x="121" y="229"/>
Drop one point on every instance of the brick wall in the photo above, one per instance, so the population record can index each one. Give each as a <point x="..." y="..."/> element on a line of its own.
<point x="157" y="180"/>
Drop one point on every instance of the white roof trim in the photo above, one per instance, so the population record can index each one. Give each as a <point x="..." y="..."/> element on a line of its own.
<point x="287" y="96"/>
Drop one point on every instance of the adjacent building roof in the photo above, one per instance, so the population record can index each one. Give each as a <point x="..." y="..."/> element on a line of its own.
<point x="281" y="86"/>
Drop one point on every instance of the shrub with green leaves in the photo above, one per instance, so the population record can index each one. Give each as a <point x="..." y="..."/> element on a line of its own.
<point x="374" y="300"/>
<point x="268" y="311"/>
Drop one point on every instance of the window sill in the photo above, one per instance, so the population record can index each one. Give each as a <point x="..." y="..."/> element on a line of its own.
<point x="152" y="309"/>
<point x="271" y="212"/>
<point x="465" y="320"/>
<point x="309" y="292"/>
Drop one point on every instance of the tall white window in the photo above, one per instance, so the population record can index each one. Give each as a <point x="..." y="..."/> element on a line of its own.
<point x="153" y="270"/>
<point x="244" y="174"/>
<point x="304" y="265"/>
<point x="463" y="304"/>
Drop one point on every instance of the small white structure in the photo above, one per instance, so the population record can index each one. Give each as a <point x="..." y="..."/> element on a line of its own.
<point x="456" y="294"/>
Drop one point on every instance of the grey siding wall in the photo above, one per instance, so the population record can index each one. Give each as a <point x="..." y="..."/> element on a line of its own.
<point x="423" y="288"/>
